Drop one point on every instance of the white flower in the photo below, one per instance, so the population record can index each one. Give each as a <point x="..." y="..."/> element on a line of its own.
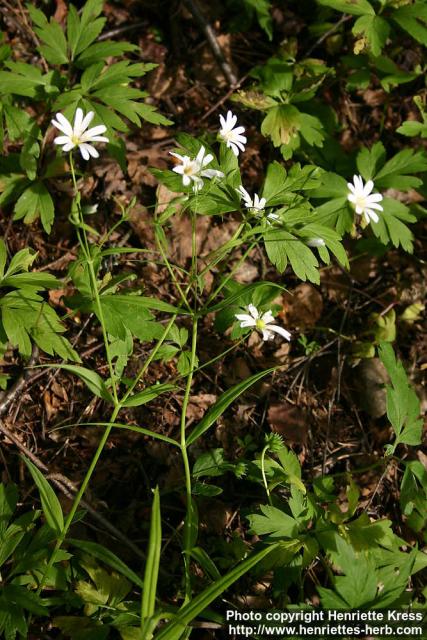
<point x="192" y="169"/>
<point x="232" y="136"/>
<point x="363" y="200"/>
<point x="257" y="205"/>
<point x="315" y="242"/>
<point x="262" y="322"/>
<point x="78" y="134"/>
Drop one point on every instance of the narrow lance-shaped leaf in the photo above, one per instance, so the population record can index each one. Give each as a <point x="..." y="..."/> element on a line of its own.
<point x="174" y="629"/>
<point x="92" y="380"/>
<point x="50" y="503"/>
<point x="107" y="557"/>
<point x="223" y="403"/>
<point x="148" y="603"/>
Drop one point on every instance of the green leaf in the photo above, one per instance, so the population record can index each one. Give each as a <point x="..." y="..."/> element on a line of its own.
<point x="412" y="128"/>
<point x="174" y="629"/>
<point x="390" y="226"/>
<point x="50" y="503"/>
<point x="283" y="247"/>
<point x="8" y="502"/>
<point x="81" y="32"/>
<point x="369" y="160"/>
<point x="282" y="124"/>
<point x="152" y="564"/>
<point x="223" y="403"/>
<point x="413" y="19"/>
<point x="22" y="597"/>
<point x="262" y="9"/>
<point x="23" y="80"/>
<point x="106" y="556"/>
<point x="403" y="406"/>
<point x="354" y="7"/>
<point x="101" y="50"/>
<point x="92" y="380"/>
<point x="35" y="202"/>
<point x="375" y="29"/>
<point x="358" y="587"/>
<point x="207" y="564"/>
<point x="142" y="397"/>
<point x="274" y="522"/>
<point x="394" y="174"/>
<point x="54" y="47"/>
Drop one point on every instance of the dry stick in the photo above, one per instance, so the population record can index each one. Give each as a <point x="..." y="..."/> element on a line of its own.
<point x="212" y="41"/>
<point x="224" y="98"/>
<point x="67" y="488"/>
<point x="121" y="30"/>
<point x="17" y="388"/>
<point x="328" y="33"/>
<point x="63" y="483"/>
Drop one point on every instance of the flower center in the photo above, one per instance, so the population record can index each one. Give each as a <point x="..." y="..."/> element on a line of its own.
<point x="190" y="169"/>
<point x="360" y="202"/>
<point x="260" y="324"/>
<point x="75" y="140"/>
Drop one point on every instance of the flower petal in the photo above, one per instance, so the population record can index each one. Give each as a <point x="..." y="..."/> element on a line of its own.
<point x="374" y="197"/>
<point x="368" y="188"/>
<point x="266" y="334"/>
<point x="253" y="311"/>
<point x="63" y="124"/>
<point x="374" y="205"/>
<point x="280" y="330"/>
<point x="62" y="140"/>
<point x="95" y="131"/>
<point x="84" y="152"/>
<point x="78" y="119"/>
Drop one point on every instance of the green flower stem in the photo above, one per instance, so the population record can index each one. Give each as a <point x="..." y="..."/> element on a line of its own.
<point x="171" y="272"/>
<point x="97" y="455"/>
<point x="187" y="472"/>
<point x="229" y="243"/>
<point x="77" y="499"/>
<point x="230" y="275"/>
<point x="95" y="289"/>
<point x="149" y="359"/>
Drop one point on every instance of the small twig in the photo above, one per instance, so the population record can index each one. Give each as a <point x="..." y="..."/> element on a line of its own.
<point x="328" y="33"/>
<point x="17" y="388"/>
<point x="67" y="488"/>
<point x="224" y="98"/>
<point x="113" y="33"/>
<point x="212" y="41"/>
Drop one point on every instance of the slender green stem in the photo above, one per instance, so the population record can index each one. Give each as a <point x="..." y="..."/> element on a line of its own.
<point x="149" y="359"/>
<point x="186" y="463"/>
<point x="171" y="272"/>
<point x="230" y="275"/>
<point x="77" y="499"/>
<point x="95" y="291"/>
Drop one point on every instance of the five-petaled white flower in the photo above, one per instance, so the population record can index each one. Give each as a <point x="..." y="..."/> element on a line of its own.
<point x="363" y="199"/>
<point x="263" y="322"/>
<point x="78" y="134"/>
<point x="193" y="169"/>
<point x="232" y="136"/>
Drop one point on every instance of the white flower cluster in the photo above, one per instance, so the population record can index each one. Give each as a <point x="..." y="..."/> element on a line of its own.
<point x="193" y="170"/>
